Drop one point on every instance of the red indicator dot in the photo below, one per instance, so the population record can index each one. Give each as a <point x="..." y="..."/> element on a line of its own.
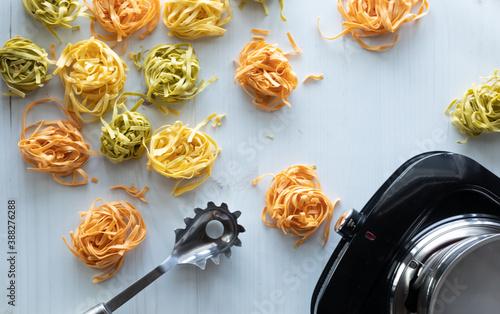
<point x="369" y="235"/>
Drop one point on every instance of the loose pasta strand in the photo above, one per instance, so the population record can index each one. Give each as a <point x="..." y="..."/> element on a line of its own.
<point x="191" y="19"/>
<point x="106" y="234"/>
<point x="55" y="147"/>
<point x="315" y="77"/>
<point x="295" y="203"/>
<point x="53" y="13"/>
<point x="366" y="18"/>
<point x="123" y="18"/>
<point x="478" y="111"/>
<point x="179" y="152"/>
<point x="265" y="74"/>
<point x="93" y="76"/>
<point x="23" y="66"/>
<point x="133" y="191"/>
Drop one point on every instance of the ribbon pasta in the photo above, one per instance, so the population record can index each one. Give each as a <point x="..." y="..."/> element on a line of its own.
<point x="106" y="234"/>
<point x="23" y="66"/>
<point x="366" y="18"/>
<point x="124" y="17"/>
<point x="54" y="12"/>
<point x="265" y="74"/>
<point x="55" y="147"/>
<point x="179" y="152"/>
<point x="191" y="19"/>
<point x="93" y="76"/>
<point x="296" y="204"/>
<point x="126" y="135"/>
<point x="478" y="111"/>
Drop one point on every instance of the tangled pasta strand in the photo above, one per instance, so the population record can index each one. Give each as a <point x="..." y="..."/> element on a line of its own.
<point x="23" y="66"/>
<point x="55" y="147"/>
<point x="105" y="235"/>
<point x="191" y="19"/>
<point x="179" y="152"/>
<point x="53" y="13"/>
<point x="92" y="72"/>
<point x="171" y="73"/>
<point x="365" y="18"/>
<point x="127" y="135"/>
<point x="265" y="74"/>
<point x="133" y="191"/>
<point x="478" y="111"/>
<point x="296" y="203"/>
<point x="124" y="17"/>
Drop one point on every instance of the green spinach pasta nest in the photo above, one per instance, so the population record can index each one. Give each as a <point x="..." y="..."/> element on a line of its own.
<point x="23" y="66"/>
<point x="478" y="111"/>
<point x="126" y="136"/>
<point x="53" y="12"/>
<point x="171" y="73"/>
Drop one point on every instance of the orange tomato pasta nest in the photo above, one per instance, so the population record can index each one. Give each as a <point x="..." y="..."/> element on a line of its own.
<point x="296" y="204"/>
<point x="191" y="19"/>
<point x="124" y="17"/>
<point x="55" y="147"/>
<point x="265" y="74"/>
<point x="179" y="152"/>
<point x="93" y="76"/>
<point x="105" y="235"/>
<point x="365" y="18"/>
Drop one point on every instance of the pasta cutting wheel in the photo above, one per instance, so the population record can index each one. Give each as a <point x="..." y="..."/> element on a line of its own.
<point x="194" y="245"/>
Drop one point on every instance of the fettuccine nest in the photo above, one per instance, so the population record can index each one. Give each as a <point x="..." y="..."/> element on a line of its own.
<point x="93" y="76"/>
<point x="105" y="235"/>
<point x="23" y="66"/>
<point x="191" y="19"/>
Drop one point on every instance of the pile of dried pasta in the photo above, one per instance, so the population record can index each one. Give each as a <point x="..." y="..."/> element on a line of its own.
<point x="191" y="19"/>
<point x="365" y="18"/>
<point x="171" y="73"/>
<point x="179" y="152"/>
<point x="265" y="74"/>
<point x="263" y="2"/>
<point x="105" y="235"/>
<point x="55" y="147"/>
<point x="23" y="66"/>
<point x="126" y="135"/>
<point x="93" y="76"/>
<point x="124" y="17"/>
<point x="296" y="203"/>
<point x="478" y="111"/>
<point x="54" y="12"/>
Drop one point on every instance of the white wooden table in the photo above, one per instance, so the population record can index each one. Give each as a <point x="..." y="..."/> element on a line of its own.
<point x="371" y="112"/>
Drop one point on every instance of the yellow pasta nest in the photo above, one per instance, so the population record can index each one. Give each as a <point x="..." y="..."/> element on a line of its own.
<point x="179" y="152"/>
<point x="93" y="76"/>
<point x="296" y="204"/>
<point x="23" y="66"/>
<point x="105" y="235"/>
<point x="191" y="19"/>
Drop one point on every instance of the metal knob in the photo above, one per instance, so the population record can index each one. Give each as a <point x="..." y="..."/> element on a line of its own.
<point x="347" y="224"/>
